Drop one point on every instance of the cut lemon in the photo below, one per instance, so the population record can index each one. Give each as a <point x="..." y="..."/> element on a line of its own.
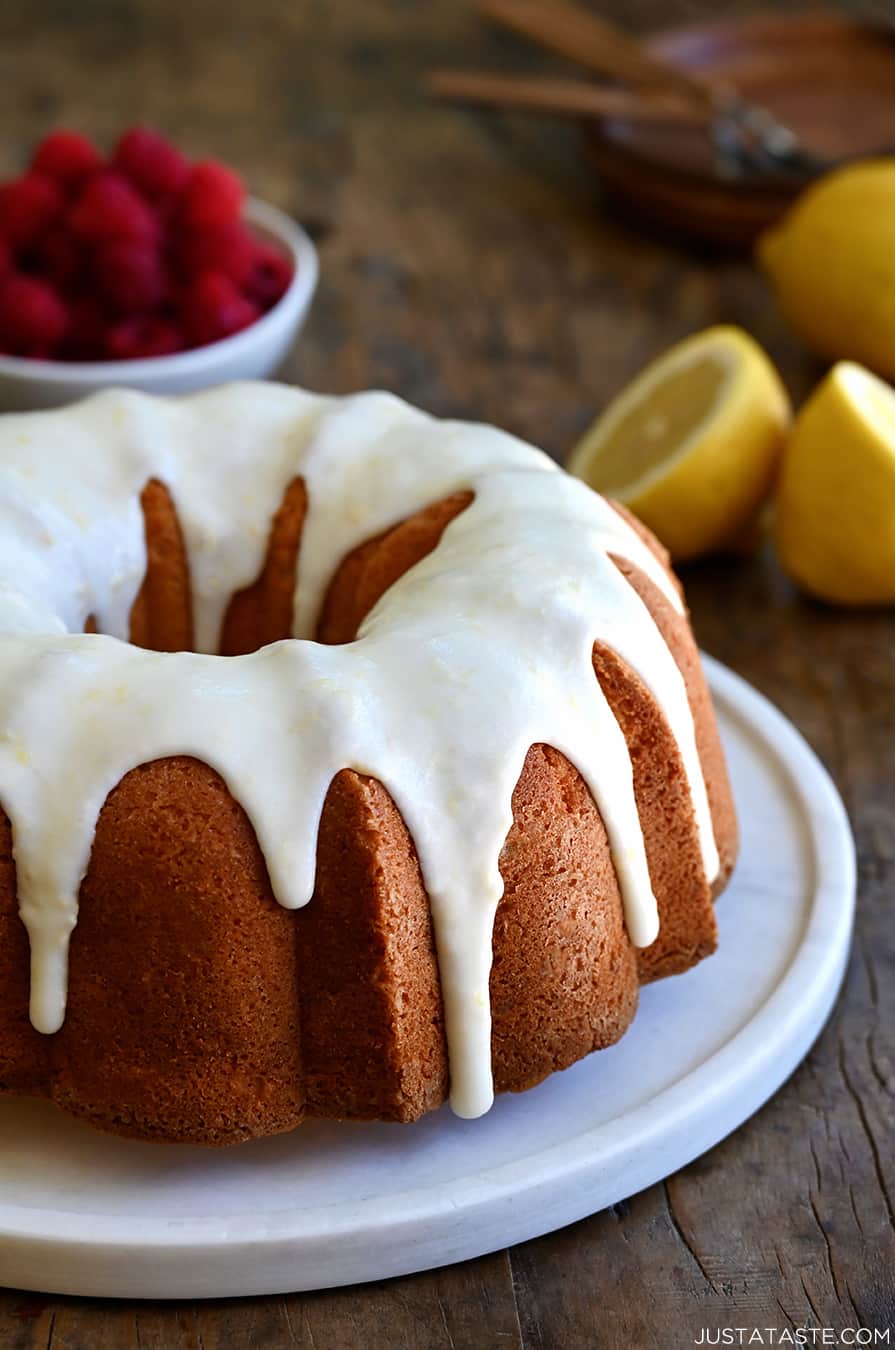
<point x="691" y="446"/>
<point x="835" y="520"/>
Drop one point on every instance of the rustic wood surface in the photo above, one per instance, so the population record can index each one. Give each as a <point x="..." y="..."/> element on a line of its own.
<point x="470" y="265"/>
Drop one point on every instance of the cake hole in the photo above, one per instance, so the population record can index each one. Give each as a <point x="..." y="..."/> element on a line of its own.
<point x="368" y="571"/>
<point x="262" y="613"/>
<point x="161" y="617"/>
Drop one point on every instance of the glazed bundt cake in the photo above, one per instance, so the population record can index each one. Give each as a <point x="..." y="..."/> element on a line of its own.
<point x="349" y="759"/>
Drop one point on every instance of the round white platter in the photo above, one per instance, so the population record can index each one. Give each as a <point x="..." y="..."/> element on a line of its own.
<point x="334" y="1204"/>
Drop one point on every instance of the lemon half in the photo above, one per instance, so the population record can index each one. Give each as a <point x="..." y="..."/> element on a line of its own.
<point x="692" y="444"/>
<point x="835" y="521"/>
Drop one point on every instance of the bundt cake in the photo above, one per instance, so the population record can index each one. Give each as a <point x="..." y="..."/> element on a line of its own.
<point x="349" y="759"/>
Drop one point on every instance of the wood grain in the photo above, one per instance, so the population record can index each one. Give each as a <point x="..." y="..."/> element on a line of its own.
<point x="468" y="264"/>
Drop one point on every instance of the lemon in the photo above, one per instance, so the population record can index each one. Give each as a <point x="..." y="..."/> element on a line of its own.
<point x="691" y="445"/>
<point x="835" y="520"/>
<point x="831" y="262"/>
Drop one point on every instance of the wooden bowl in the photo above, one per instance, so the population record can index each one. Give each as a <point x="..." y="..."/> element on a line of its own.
<point x="829" y="78"/>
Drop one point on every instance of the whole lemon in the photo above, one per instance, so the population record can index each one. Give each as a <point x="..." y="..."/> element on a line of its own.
<point x="831" y="262"/>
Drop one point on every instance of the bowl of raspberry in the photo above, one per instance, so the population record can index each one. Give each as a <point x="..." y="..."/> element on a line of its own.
<point x="143" y="269"/>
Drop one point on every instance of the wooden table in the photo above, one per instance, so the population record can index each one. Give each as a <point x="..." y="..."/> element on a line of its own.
<point x="470" y="265"/>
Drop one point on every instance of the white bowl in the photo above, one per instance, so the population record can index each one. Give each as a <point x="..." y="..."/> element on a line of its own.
<point x="254" y="353"/>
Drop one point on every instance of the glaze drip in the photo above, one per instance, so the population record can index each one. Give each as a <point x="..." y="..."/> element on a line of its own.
<point x="481" y="650"/>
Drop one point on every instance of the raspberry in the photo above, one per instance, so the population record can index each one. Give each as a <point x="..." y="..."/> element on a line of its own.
<point x="152" y="163"/>
<point x="130" y="275"/>
<point x="87" y="325"/>
<point x="213" y="196"/>
<point x="213" y="308"/>
<point x="269" y="278"/>
<point x="27" y="206"/>
<point x="67" y="157"/>
<point x="58" y="256"/>
<point x="143" y="335"/>
<point x="110" y="208"/>
<point x="90" y="252"/>
<point x="228" y="249"/>
<point x="32" y="317"/>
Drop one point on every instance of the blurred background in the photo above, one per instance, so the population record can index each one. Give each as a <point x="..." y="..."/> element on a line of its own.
<point x="469" y="260"/>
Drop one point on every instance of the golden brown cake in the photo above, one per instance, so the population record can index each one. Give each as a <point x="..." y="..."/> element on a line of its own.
<point x="258" y="932"/>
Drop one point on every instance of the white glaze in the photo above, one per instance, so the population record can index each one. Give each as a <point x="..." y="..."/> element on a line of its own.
<point x="478" y="652"/>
